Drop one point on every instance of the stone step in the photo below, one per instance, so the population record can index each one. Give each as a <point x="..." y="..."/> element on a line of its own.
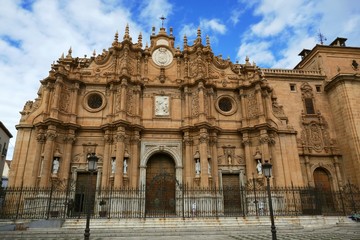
<point x="289" y="222"/>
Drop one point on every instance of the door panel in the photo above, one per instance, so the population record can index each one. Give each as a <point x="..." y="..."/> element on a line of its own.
<point x="85" y="192"/>
<point x="323" y="185"/>
<point x="160" y="186"/>
<point x="232" y="198"/>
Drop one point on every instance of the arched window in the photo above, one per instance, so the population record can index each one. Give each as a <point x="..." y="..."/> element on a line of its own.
<point x="308" y="98"/>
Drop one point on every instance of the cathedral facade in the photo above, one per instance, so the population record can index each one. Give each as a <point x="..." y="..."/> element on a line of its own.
<point x="196" y="118"/>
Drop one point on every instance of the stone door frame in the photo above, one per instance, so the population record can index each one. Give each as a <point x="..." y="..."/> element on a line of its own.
<point x="171" y="147"/>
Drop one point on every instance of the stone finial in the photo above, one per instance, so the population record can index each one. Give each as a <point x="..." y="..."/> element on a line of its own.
<point x="116" y="38"/>
<point x="247" y="61"/>
<point x="140" y="40"/>
<point x="185" y="41"/>
<point x="153" y="30"/>
<point x="171" y="31"/>
<point x="127" y="36"/>
<point x="207" y="41"/>
<point x="62" y="56"/>
<point x="69" y="53"/>
<point x="94" y="53"/>
<point x="198" y="38"/>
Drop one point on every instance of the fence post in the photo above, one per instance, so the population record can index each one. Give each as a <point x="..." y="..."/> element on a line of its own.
<point x="49" y="205"/>
<point x="352" y="198"/>
<point x="243" y="203"/>
<point x="216" y="202"/>
<point x="293" y="192"/>
<point x="110" y="198"/>
<point x="19" y="202"/>
<point x="255" y="201"/>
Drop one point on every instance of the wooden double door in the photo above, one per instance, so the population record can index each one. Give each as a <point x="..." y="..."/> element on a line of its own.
<point x="231" y="194"/>
<point x="160" y="186"/>
<point x="84" y="193"/>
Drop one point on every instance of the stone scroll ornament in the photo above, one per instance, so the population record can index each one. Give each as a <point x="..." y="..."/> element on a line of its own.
<point x="162" y="57"/>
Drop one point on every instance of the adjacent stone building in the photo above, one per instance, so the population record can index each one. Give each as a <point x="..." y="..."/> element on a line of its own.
<point x="192" y="117"/>
<point x="5" y="136"/>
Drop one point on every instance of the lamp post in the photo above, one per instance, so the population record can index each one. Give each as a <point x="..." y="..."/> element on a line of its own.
<point x="92" y="166"/>
<point x="266" y="167"/>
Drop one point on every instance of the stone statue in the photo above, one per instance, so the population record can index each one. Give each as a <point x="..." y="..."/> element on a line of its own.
<point x="55" y="165"/>
<point x="125" y="166"/>
<point x="197" y="167"/>
<point x="259" y="167"/>
<point x="113" y="165"/>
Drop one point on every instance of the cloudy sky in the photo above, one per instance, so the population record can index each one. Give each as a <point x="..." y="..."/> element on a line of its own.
<point x="34" y="33"/>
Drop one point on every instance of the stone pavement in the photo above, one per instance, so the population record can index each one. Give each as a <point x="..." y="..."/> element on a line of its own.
<point x="313" y="230"/>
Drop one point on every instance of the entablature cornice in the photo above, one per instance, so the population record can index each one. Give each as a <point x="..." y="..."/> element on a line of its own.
<point x="340" y="78"/>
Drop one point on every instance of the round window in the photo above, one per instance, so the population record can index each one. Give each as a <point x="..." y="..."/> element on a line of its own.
<point x="94" y="101"/>
<point x="226" y="105"/>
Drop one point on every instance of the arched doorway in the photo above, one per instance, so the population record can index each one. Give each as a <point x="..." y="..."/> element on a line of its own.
<point x="160" y="186"/>
<point x="323" y="186"/>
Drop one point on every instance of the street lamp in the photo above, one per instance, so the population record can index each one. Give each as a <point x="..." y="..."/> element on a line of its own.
<point x="266" y="167"/>
<point x="92" y="166"/>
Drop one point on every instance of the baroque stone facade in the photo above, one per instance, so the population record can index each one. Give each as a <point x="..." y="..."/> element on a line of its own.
<point x="148" y="110"/>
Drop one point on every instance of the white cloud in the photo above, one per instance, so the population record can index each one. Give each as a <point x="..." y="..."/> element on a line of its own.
<point x="208" y="27"/>
<point x="152" y="10"/>
<point x="258" y="52"/>
<point x="188" y="30"/>
<point x="44" y="31"/>
<point x="212" y="25"/>
<point x="290" y="26"/>
<point x="234" y="16"/>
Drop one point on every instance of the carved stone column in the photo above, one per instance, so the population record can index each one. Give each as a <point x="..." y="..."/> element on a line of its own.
<point x="66" y="161"/>
<point x="203" y="142"/>
<point x="74" y="102"/>
<point x="46" y="96"/>
<point x="123" y="101"/>
<point x="260" y="103"/>
<point x="214" y="159"/>
<point x="249" y="159"/>
<point x="136" y="96"/>
<point x="189" y="165"/>
<point x="337" y="170"/>
<point x="211" y="97"/>
<point x="264" y="142"/>
<point x="41" y="138"/>
<point x="187" y="94"/>
<point x="48" y="156"/>
<point x="112" y="91"/>
<point x="55" y="100"/>
<point x="201" y="89"/>
<point x="120" y="147"/>
<point x="243" y="107"/>
<point x="106" y="170"/>
<point x="134" y="159"/>
<point x="308" y="172"/>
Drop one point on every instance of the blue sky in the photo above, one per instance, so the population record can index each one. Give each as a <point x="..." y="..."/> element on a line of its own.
<point x="34" y="33"/>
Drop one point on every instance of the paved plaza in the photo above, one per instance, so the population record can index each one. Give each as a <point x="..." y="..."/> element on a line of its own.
<point x="251" y="228"/>
<point x="348" y="232"/>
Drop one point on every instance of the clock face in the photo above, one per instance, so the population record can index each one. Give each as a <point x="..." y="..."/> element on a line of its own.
<point x="162" y="57"/>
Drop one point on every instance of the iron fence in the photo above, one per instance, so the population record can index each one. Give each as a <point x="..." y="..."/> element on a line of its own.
<point x="185" y="202"/>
